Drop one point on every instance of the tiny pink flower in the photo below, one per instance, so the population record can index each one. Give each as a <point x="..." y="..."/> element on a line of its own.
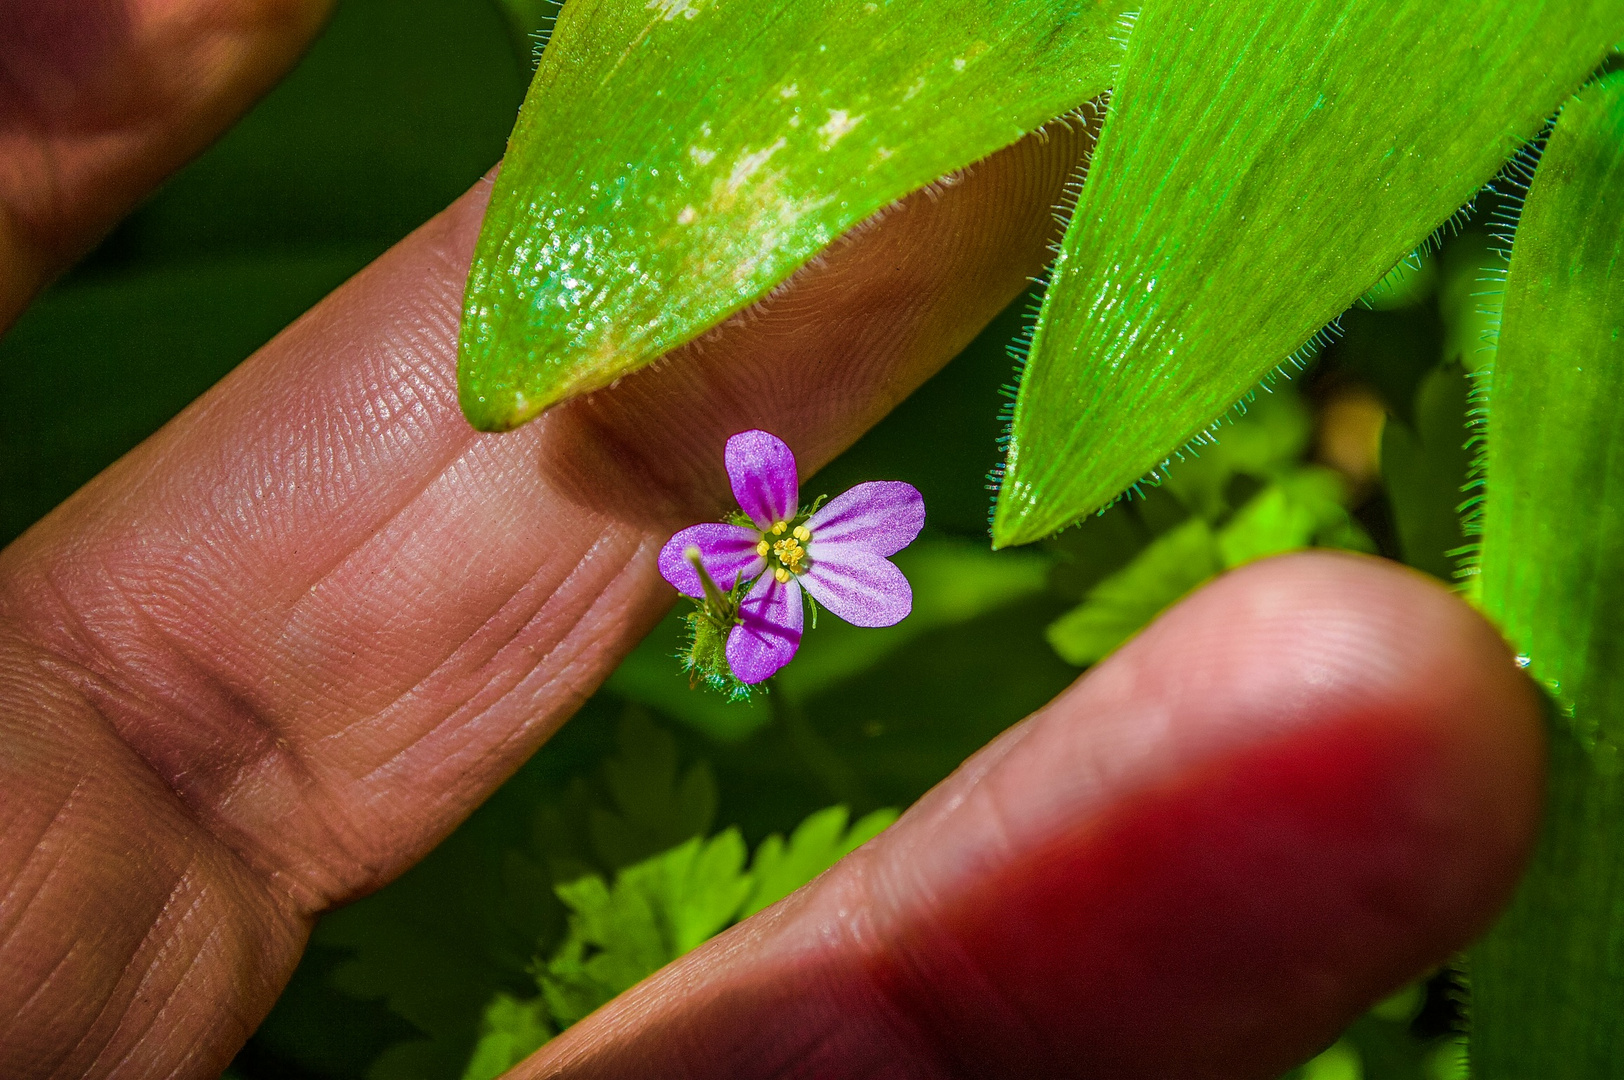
<point x="836" y="553"/>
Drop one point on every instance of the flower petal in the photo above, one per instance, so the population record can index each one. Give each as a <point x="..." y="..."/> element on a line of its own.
<point x="860" y="587"/>
<point x="771" y="631"/>
<point x="728" y="552"/>
<point x="762" y="471"/>
<point x="882" y="517"/>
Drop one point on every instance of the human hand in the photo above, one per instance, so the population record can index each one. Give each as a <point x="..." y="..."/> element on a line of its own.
<point x="266" y="661"/>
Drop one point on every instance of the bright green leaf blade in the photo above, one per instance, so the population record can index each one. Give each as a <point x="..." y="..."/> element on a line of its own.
<point x="710" y="891"/>
<point x="1551" y="570"/>
<point x="676" y="159"/>
<point x="1548" y="984"/>
<point x="1264" y="165"/>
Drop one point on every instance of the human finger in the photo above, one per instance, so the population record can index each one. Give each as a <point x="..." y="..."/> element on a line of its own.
<point x="1293" y="793"/>
<point x="279" y="650"/>
<point x="102" y="99"/>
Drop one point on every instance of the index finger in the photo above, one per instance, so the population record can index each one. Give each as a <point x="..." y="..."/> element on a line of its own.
<point x="278" y="651"/>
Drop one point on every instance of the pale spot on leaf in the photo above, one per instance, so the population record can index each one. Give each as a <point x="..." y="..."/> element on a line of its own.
<point x="749" y="164"/>
<point x="670" y="9"/>
<point x="839" y="126"/>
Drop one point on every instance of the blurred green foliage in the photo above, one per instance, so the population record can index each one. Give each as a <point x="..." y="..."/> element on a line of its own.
<point x="1287" y="506"/>
<point x="397" y="109"/>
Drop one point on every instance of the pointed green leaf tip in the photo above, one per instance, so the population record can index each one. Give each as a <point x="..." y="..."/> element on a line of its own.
<point x="1263" y="165"/>
<point x="676" y="159"/>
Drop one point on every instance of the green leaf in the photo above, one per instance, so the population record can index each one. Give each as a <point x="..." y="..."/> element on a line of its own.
<point x="1548" y="984"/>
<point x="1425" y="470"/>
<point x="655" y="807"/>
<point x="1121" y="605"/>
<point x="1262" y="166"/>
<point x="819" y="842"/>
<point x="677" y="159"/>
<point x="1469" y="301"/>
<point x="1340" y="1062"/>
<point x="1409" y="284"/>
<point x="1552" y="560"/>
<point x="1272" y="523"/>
<point x="435" y="945"/>
<point x="666" y="905"/>
<point x="1302" y="506"/>
<point x="510" y="1031"/>
<point x="1270" y="435"/>
<point x="656" y="910"/>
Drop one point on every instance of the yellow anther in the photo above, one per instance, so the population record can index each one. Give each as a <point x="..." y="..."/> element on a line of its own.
<point x="762" y="548"/>
<point x="778" y="528"/>
<point x="782" y="575"/>
<point x="802" y="533"/>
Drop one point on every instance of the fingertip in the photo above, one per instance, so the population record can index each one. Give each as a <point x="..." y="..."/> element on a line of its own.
<point x="1298" y="790"/>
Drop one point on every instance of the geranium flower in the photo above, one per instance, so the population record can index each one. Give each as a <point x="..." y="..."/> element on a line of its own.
<point x="836" y="553"/>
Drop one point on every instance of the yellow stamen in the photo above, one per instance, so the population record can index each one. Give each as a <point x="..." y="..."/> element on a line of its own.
<point x="762" y="548"/>
<point x="779" y="527"/>
<point x="782" y="575"/>
<point x="802" y="533"/>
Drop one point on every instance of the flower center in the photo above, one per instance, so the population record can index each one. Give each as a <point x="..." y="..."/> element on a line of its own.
<point x="785" y="554"/>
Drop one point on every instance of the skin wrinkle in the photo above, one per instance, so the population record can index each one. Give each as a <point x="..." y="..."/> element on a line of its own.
<point x="170" y="932"/>
<point x="536" y="616"/>
<point x="111" y="996"/>
<point x="117" y="994"/>
<point x="110" y="700"/>
<point x="550" y="717"/>
<point x="169" y="521"/>
<point x="36" y="847"/>
<point x="173" y="934"/>
<point x="205" y="949"/>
